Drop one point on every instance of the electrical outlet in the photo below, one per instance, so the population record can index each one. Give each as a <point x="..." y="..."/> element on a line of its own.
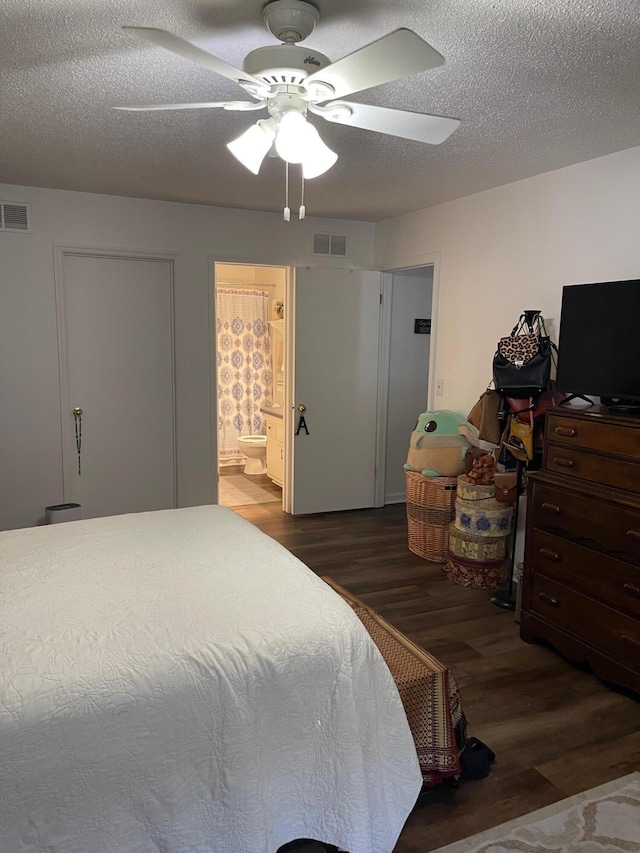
<point x="439" y="387"/>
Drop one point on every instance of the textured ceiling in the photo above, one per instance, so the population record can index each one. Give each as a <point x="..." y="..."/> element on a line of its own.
<point x="538" y="84"/>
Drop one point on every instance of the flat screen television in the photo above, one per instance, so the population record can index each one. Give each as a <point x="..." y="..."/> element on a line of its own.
<point x="599" y="342"/>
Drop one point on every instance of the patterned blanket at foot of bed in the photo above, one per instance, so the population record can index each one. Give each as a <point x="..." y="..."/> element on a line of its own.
<point x="428" y="691"/>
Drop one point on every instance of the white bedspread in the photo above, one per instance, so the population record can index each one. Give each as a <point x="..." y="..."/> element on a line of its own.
<point x="177" y="681"/>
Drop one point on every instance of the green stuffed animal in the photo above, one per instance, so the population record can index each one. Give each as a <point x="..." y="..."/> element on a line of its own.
<point x="439" y="443"/>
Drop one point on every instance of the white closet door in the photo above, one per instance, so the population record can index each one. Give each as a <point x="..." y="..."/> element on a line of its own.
<point x="116" y="360"/>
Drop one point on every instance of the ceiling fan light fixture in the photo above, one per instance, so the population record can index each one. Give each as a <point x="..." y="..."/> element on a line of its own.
<point x="252" y="146"/>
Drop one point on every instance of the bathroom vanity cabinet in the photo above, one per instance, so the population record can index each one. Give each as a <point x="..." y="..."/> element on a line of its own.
<point x="275" y="448"/>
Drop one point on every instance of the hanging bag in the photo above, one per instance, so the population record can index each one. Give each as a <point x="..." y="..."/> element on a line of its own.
<point x="522" y="361"/>
<point x="519" y="441"/>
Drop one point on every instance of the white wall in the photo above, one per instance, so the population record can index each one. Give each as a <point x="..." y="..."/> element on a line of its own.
<point x="30" y="438"/>
<point x="408" y="371"/>
<point x="512" y="248"/>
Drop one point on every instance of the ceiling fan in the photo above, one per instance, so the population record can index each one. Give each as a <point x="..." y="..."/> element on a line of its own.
<point x="290" y="81"/>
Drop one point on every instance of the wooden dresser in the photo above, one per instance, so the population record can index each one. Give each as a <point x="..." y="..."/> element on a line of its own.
<point x="581" y="587"/>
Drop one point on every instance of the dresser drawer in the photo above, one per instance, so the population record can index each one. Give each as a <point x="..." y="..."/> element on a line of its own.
<point x="605" y="470"/>
<point x="589" y="521"/>
<point x="609" y="580"/>
<point x="613" y="633"/>
<point x="594" y="435"/>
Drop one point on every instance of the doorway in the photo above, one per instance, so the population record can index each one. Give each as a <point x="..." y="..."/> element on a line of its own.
<point x="335" y="420"/>
<point x="250" y="380"/>
<point x="409" y="294"/>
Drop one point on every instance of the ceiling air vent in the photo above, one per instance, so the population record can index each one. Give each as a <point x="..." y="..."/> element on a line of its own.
<point x="15" y="216"/>
<point x="330" y="244"/>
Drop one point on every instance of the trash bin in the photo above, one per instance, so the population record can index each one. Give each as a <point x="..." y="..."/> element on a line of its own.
<point x="62" y="512"/>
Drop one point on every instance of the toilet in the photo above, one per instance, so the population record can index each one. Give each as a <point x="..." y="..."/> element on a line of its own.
<point x="255" y="448"/>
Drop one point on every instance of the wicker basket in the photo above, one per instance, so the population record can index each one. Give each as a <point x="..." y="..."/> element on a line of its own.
<point x="430" y="510"/>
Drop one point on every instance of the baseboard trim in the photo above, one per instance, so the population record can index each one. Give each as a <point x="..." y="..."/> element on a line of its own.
<point x="398" y="498"/>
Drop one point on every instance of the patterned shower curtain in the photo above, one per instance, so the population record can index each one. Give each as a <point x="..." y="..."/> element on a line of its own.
<point x="244" y="366"/>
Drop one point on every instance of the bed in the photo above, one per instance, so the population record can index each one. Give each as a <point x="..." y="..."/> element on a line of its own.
<point x="428" y="692"/>
<point x="177" y="681"/>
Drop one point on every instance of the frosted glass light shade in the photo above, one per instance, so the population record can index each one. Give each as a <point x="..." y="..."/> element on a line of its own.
<point x="293" y="133"/>
<point x="251" y="147"/>
<point x="318" y="157"/>
<point x="299" y="142"/>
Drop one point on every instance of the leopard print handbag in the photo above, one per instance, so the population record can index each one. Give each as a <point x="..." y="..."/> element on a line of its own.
<point x="522" y="361"/>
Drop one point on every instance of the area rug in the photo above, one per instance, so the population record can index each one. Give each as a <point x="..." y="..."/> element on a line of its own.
<point x="602" y="820"/>
<point x="238" y="491"/>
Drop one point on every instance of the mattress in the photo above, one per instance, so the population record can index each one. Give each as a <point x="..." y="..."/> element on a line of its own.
<point x="177" y="681"/>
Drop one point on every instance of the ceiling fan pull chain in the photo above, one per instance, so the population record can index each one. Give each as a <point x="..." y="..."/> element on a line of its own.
<point x="302" y="212"/>
<point x="287" y="209"/>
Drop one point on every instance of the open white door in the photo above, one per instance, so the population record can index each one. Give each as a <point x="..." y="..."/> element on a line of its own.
<point x="337" y="319"/>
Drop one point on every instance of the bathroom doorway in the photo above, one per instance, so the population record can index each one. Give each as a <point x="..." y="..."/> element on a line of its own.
<point x="250" y="379"/>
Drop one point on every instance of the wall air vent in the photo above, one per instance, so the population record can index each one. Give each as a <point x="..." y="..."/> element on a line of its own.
<point x="330" y="244"/>
<point x="15" y="216"/>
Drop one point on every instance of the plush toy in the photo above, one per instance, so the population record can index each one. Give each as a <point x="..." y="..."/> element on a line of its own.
<point x="483" y="469"/>
<point x="439" y="442"/>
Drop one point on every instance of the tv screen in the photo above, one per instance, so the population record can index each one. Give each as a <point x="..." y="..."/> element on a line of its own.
<point x="599" y="341"/>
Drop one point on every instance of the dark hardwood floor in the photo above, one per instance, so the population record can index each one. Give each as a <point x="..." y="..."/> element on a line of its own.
<point x="555" y="728"/>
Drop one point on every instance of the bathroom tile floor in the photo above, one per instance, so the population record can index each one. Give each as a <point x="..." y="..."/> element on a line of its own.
<point x="258" y="479"/>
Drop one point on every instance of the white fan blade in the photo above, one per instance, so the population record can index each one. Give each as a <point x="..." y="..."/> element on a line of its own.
<point x="418" y="126"/>
<point x="225" y="105"/>
<point x="398" y="54"/>
<point x="189" y="51"/>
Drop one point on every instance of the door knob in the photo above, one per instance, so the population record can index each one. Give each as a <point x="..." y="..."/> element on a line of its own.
<point x="301" y="408"/>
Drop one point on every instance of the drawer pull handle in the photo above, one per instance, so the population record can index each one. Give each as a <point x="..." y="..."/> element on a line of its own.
<point x="563" y="462"/>
<point x="631" y="641"/>
<point x="548" y="599"/>
<point x="570" y="432"/>
<point x="549" y="555"/>
<point x="634" y="534"/>
<point x="551" y="508"/>
<point x="632" y="589"/>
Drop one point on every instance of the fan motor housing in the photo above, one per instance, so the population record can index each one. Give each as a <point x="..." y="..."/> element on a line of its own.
<point x="284" y="64"/>
<point x="291" y="20"/>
